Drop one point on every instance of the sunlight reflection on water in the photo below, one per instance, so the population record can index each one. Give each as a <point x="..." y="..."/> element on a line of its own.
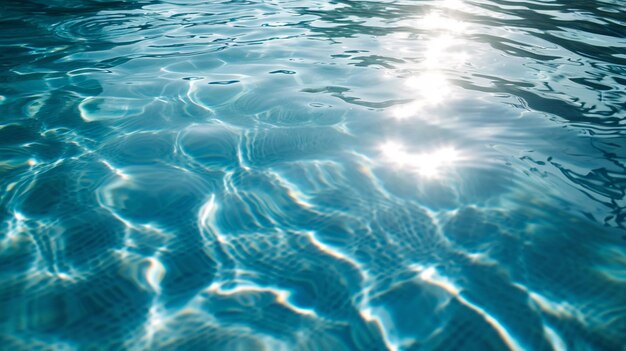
<point x="430" y="164"/>
<point x="312" y="175"/>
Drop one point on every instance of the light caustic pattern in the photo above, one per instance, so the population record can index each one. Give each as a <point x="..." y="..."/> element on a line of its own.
<point x="312" y="175"/>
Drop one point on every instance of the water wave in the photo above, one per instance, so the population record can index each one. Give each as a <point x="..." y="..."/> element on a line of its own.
<point x="313" y="175"/>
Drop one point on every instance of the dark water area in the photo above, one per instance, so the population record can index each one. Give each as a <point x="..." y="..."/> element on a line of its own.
<point x="313" y="175"/>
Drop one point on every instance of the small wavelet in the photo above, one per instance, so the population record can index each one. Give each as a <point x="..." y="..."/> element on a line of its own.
<point x="283" y="175"/>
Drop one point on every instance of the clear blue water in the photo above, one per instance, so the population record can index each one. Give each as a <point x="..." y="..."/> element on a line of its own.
<point x="312" y="175"/>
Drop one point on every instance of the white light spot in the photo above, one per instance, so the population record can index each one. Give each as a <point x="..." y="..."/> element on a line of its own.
<point x="429" y="164"/>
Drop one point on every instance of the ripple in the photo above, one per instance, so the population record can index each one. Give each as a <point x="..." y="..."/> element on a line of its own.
<point x="163" y="188"/>
<point x="116" y="27"/>
<point x="211" y="145"/>
<point x="362" y="175"/>
<point x="283" y="71"/>
<point x="285" y="144"/>
<point x="96" y="109"/>
<point x="141" y="148"/>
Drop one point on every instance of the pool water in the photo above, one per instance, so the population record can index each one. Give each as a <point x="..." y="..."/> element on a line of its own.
<point x="313" y="175"/>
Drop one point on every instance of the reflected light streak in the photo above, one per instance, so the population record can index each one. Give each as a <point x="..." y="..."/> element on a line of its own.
<point x="282" y="296"/>
<point x="431" y="88"/>
<point x="426" y="164"/>
<point x="15" y="228"/>
<point x="115" y="170"/>
<point x="156" y="322"/>
<point x="434" y="277"/>
<point x="154" y="274"/>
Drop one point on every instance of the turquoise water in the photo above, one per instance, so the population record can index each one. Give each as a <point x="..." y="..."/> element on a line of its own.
<point x="313" y="175"/>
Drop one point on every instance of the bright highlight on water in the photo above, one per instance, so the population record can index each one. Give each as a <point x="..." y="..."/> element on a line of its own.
<point x="312" y="175"/>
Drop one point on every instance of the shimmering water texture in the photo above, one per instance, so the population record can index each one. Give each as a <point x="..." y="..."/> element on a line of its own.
<point x="312" y="175"/>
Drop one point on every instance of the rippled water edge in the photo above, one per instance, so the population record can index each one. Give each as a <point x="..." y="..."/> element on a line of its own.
<point x="249" y="174"/>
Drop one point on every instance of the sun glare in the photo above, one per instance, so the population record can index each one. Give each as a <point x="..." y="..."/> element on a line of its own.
<point x="429" y="164"/>
<point x="435" y="20"/>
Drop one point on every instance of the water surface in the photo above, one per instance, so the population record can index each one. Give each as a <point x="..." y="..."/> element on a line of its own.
<point x="312" y="175"/>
